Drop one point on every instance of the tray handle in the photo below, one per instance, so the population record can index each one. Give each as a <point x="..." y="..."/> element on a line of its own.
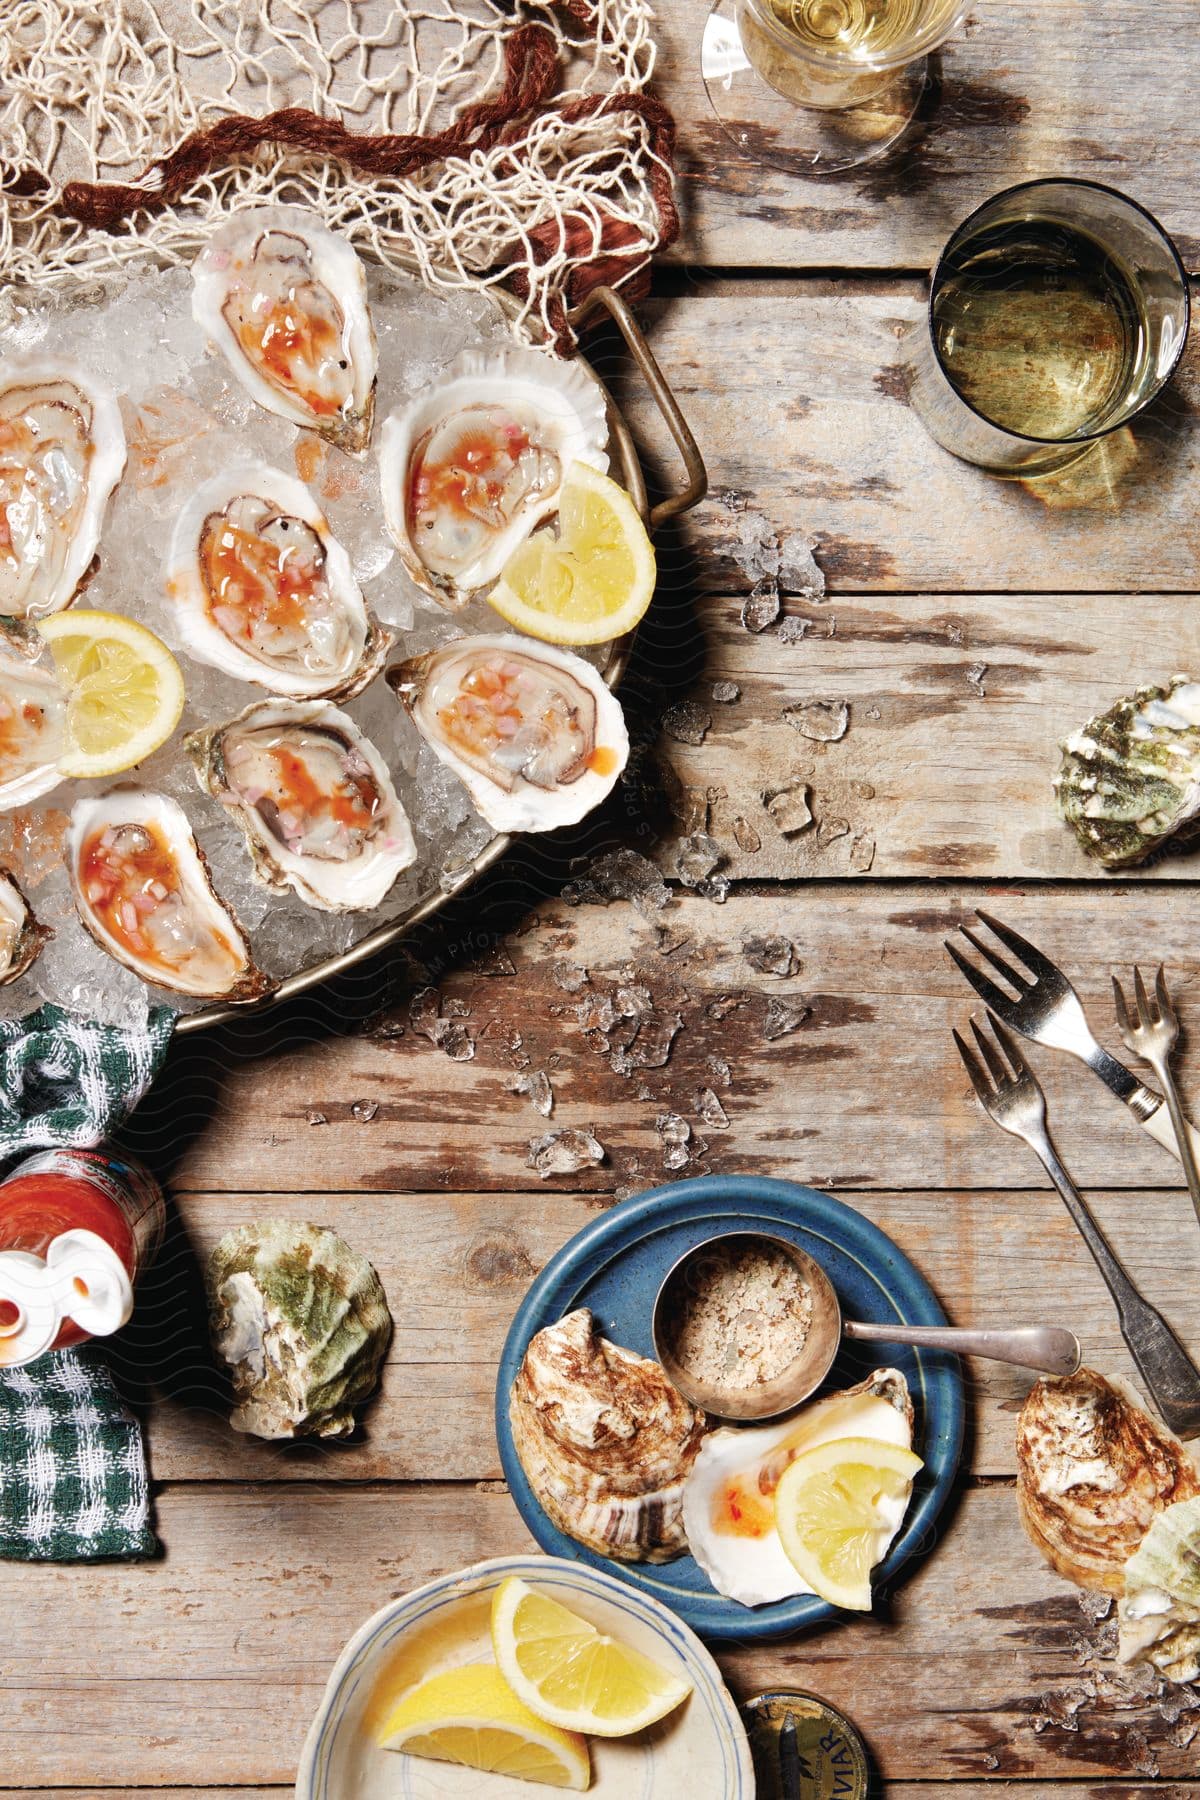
<point x="696" y="482"/>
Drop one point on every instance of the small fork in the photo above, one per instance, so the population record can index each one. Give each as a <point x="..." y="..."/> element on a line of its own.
<point x="1013" y="1099"/>
<point x="1047" y="1009"/>
<point x="1153" y="1038"/>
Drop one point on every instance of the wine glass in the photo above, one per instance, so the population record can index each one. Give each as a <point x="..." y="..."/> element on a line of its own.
<point x="820" y="86"/>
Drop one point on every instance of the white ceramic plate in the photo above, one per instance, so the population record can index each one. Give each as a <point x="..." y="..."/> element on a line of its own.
<point x="700" y="1751"/>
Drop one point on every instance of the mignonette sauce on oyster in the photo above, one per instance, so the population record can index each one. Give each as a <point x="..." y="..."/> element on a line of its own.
<point x="285" y="301"/>
<point x="534" y="734"/>
<point x="475" y="461"/>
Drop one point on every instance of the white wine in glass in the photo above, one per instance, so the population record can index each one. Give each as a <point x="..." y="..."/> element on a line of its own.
<point x="819" y="86"/>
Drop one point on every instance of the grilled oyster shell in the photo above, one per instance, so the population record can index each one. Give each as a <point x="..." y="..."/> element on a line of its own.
<point x="1094" y="1471"/>
<point x="605" y="1441"/>
<point x="1130" y="778"/>
<point x="1159" y="1612"/>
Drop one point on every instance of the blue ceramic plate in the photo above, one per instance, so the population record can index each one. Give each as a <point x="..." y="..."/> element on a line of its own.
<point x="615" y="1267"/>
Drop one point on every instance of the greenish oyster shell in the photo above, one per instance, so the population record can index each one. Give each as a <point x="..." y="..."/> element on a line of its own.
<point x="1159" y="1612"/>
<point x="1130" y="778"/>
<point x="302" y="1322"/>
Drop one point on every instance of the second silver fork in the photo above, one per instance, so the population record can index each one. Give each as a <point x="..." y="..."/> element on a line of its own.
<point x="1012" y="1097"/>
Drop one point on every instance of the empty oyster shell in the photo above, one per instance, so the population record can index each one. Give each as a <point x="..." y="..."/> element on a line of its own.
<point x="532" y="731"/>
<point x="285" y="300"/>
<point x="302" y="1321"/>
<point x="476" y="460"/>
<point x="33" y="709"/>
<point x="141" y="887"/>
<point x="729" y="1496"/>
<point x="1159" y="1612"/>
<point x="1093" y="1471"/>
<point x="315" y="799"/>
<point x="62" y="450"/>
<point x="22" y="938"/>
<point x="1130" y="778"/>
<point x="258" y="586"/>
<point x="605" y="1441"/>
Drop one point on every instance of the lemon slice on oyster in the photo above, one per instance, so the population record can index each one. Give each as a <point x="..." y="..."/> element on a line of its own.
<point x="837" y="1508"/>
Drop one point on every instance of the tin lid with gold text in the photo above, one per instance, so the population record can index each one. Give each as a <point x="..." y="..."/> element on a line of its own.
<point x="819" y="1756"/>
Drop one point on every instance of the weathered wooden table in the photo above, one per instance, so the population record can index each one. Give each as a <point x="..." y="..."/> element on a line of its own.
<point x="969" y="625"/>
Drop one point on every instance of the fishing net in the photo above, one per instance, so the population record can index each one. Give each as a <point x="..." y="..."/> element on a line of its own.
<point x="512" y="145"/>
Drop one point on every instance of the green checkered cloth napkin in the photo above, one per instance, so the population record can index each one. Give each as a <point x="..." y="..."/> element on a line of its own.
<point x="73" y="1479"/>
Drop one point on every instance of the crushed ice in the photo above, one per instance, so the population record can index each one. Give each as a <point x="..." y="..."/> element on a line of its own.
<point x="564" y="1153"/>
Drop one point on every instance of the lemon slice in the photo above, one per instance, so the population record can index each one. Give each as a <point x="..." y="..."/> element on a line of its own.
<point x="472" y="1717"/>
<point x="590" y="583"/>
<point x="837" y="1508"/>
<point x="572" y="1675"/>
<point x="124" y="690"/>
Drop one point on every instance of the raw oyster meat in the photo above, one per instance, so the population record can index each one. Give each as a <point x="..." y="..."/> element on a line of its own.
<point x="1130" y="778"/>
<point x="729" y="1497"/>
<point x="21" y="937"/>
<point x="1159" y="1612"/>
<point x="62" y="450"/>
<point x="315" y="799"/>
<point x="285" y="301"/>
<point x="605" y="1441"/>
<point x="302" y="1322"/>
<point x="475" y="461"/>
<point x="532" y="731"/>
<point x="1093" y="1472"/>
<point x="259" y="587"/>
<point x="32" y="716"/>
<point x="141" y="887"/>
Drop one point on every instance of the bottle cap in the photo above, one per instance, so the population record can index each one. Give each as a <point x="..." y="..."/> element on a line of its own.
<point x="829" y="1760"/>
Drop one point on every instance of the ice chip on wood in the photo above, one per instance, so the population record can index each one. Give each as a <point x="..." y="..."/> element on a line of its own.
<point x="687" y="722"/>
<point x="711" y="1110"/>
<point x="771" y="955"/>
<point x="798" y="570"/>
<point x="760" y="607"/>
<point x="620" y="875"/>
<point x="535" y="1085"/>
<point x="697" y="857"/>
<point x="823" y="721"/>
<point x="726" y="692"/>
<point x="675" y="1133"/>
<point x="783" y="1017"/>
<point x="564" y="1153"/>
<point x="789" y="809"/>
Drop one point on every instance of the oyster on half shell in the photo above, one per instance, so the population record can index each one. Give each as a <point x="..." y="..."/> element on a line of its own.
<point x="257" y="585"/>
<point x="605" y="1441"/>
<point x="1093" y="1472"/>
<point x="33" y="707"/>
<point x="62" y="450"/>
<point x="475" y="461"/>
<point x="141" y="887"/>
<point x="285" y="301"/>
<point x="314" y="798"/>
<point x="22" y="938"/>
<point x="532" y="731"/>
<point x="1159" y="1612"/>
<point x="1130" y="778"/>
<point x="302" y="1322"/>
<point x="729" y="1496"/>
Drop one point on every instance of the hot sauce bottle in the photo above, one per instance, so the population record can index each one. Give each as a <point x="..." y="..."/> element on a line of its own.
<point x="77" y="1228"/>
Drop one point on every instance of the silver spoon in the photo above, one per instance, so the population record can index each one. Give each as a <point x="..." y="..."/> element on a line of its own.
<point x="1047" y="1348"/>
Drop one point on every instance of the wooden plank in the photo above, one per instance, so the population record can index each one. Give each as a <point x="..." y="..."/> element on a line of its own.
<point x="958" y="705"/>
<point x="455" y="1268"/>
<point x="902" y="1790"/>
<point x="868" y="1092"/>
<point x="1028" y="87"/>
<point x="260" y="1588"/>
<point x="798" y="399"/>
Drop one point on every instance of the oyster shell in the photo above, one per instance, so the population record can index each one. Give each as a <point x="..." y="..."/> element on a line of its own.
<point x="1093" y="1471"/>
<point x="22" y="938"/>
<point x="1159" y="1612"/>
<point x="62" y="450"/>
<point x="605" y="1441"/>
<point x="315" y="799"/>
<point x="532" y="731"/>
<point x="285" y="301"/>
<point x="32" y="715"/>
<point x="141" y="887"/>
<point x="476" y="460"/>
<point x="729" y="1496"/>
<point x="1130" y="778"/>
<point x="302" y="1322"/>
<point x="259" y="587"/>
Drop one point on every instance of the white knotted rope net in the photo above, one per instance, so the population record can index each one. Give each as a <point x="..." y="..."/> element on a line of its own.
<point x="95" y="93"/>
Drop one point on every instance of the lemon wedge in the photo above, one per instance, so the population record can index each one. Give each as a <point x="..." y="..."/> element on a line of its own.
<point x="590" y="583"/>
<point x="124" y="690"/>
<point x="472" y="1717"/>
<point x="837" y="1508"/>
<point x="572" y="1675"/>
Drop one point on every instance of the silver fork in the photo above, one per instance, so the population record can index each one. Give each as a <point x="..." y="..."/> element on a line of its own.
<point x="1013" y="1099"/>
<point x="1153" y="1038"/>
<point x="1047" y="1009"/>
